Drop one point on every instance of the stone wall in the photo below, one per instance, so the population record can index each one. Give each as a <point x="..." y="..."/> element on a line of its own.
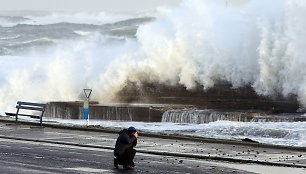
<point x="74" y="110"/>
<point x="222" y="96"/>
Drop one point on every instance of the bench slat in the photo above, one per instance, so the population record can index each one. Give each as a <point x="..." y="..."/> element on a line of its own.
<point x="30" y="108"/>
<point x="32" y="116"/>
<point x="31" y="104"/>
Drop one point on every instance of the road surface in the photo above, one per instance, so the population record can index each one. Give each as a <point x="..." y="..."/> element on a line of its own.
<point x="34" y="157"/>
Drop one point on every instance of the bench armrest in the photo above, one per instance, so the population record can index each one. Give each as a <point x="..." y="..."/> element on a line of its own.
<point x="10" y="114"/>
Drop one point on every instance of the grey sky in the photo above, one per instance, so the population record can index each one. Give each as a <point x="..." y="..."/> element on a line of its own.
<point x="84" y="5"/>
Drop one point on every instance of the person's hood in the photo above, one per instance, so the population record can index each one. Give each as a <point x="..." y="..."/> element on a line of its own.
<point x="123" y="131"/>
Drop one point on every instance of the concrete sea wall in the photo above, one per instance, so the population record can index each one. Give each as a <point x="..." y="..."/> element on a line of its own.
<point x="155" y="103"/>
<point x="74" y="110"/>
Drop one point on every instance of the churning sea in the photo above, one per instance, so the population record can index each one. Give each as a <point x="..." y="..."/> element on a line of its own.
<point x="52" y="56"/>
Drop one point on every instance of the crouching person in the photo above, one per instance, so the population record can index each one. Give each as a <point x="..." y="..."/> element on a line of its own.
<point x="124" y="151"/>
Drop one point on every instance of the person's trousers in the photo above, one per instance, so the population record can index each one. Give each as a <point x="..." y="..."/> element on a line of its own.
<point x="127" y="157"/>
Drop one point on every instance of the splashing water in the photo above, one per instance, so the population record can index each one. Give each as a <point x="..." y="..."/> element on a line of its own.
<point x="260" y="43"/>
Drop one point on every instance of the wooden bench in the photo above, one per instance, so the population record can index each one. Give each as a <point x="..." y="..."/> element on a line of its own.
<point x="40" y="107"/>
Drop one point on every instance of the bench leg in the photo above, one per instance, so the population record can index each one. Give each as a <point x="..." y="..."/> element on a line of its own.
<point x="17" y="113"/>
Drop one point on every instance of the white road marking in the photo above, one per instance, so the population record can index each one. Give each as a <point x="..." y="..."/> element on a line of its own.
<point x="25" y="148"/>
<point x="91" y="170"/>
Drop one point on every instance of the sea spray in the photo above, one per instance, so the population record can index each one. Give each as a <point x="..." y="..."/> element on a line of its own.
<point x="202" y="42"/>
<point x="260" y="43"/>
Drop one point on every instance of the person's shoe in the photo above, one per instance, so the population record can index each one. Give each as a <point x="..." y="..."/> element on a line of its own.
<point x="116" y="163"/>
<point x="128" y="167"/>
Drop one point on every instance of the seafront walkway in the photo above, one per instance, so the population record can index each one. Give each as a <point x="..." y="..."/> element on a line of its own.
<point x="231" y="152"/>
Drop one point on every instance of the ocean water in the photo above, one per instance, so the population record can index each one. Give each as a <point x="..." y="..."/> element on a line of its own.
<point x="53" y="56"/>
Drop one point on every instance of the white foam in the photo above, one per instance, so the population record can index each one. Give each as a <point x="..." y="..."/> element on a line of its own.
<point x="245" y="45"/>
<point x="9" y="38"/>
<point x="200" y="42"/>
<point x="82" y="33"/>
<point x="280" y="133"/>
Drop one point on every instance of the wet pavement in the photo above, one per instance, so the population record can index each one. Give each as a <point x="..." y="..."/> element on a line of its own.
<point x="212" y="151"/>
<point x="28" y="157"/>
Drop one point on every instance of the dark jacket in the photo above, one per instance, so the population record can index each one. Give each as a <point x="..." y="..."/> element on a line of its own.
<point x="124" y="142"/>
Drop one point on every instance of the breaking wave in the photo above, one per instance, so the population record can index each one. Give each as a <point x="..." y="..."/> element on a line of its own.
<point x="261" y="43"/>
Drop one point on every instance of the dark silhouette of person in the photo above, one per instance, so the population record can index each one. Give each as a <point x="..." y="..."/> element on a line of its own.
<point x="124" y="151"/>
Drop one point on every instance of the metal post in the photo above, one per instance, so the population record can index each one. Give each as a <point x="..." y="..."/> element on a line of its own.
<point x="86" y="104"/>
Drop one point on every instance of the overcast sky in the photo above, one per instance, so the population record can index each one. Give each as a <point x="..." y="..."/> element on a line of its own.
<point x="84" y="5"/>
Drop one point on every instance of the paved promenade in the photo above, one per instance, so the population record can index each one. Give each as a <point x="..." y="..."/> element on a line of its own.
<point x="229" y="152"/>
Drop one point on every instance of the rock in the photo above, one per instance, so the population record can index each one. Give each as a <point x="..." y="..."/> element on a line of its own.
<point x="249" y="140"/>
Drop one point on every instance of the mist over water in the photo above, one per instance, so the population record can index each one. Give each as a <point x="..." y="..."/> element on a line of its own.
<point x="260" y="43"/>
